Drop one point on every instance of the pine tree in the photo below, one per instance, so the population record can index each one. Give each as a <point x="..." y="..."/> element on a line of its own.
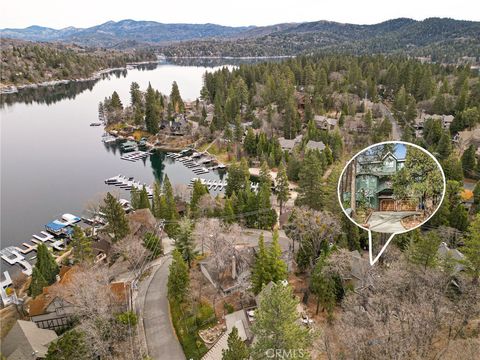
<point x="276" y="266"/>
<point x="135" y="95"/>
<point x="178" y="280"/>
<point x="115" y="215"/>
<point x="276" y="327"/>
<point x="444" y="147"/>
<point x="425" y="251"/>
<point x="152" y="110"/>
<point x="260" y="275"/>
<point x="143" y="201"/>
<point x="471" y="250"/>
<point x="283" y="192"/>
<point x="250" y="143"/>
<point x="228" y="211"/>
<point x="37" y="283"/>
<point x="236" y="179"/>
<point x="323" y="286"/>
<point x="198" y="191"/>
<point x="176" y="99"/>
<point x="46" y="264"/>
<point x="237" y="349"/>
<point x="157" y="203"/>
<point x="71" y="345"/>
<point x="310" y="191"/>
<point x="184" y="241"/>
<point x="170" y="207"/>
<point x="115" y="102"/>
<point x="82" y="245"/>
<point x="468" y="160"/>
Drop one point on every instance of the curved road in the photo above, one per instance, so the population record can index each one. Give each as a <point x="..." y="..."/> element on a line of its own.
<point x="161" y="340"/>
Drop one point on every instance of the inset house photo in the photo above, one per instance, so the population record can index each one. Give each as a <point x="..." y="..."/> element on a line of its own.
<point x="391" y="187"/>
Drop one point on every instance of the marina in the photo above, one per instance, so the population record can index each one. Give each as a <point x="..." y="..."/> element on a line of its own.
<point x="56" y="237"/>
<point x="74" y="147"/>
<point x="199" y="162"/>
<point x="128" y="184"/>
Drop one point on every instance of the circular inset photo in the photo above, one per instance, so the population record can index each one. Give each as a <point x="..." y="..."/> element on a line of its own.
<point x="391" y="187"/>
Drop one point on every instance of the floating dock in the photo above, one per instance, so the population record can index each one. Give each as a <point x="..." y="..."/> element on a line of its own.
<point x="128" y="184"/>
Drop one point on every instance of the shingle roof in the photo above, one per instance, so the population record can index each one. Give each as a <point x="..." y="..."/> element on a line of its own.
<point x="315" y="145"/>
<point x="25" y="335"/>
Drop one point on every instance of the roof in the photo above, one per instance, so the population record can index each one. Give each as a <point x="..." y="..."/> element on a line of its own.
<point x="55" y="225"/>
<point x="239" y="320"/>
<point x="120" y="291"/>
<point x="101" y="245"/>
<point x="26" y="336"/>
<point x="236" y="319"/>
<point x="289" y="143"/>
<point x="315" y="145"/>
<point x="39" y="304"/>
<point x="286" y="143"/>
<point x="324" y="119"/>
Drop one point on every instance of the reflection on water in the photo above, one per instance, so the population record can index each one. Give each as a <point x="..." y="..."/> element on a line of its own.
<point x="51" y="94"/>
<point x="53" y="162"/>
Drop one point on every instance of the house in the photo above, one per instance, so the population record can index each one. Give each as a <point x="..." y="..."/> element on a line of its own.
<point x="325" y="123"/>
<point x="54" y="310"/>
<point x="26" y="341"/>
<point x="315" y="145"/>
<point x="289" y="144"/>
<point x="446" y="120"/>
<point x="101" y="249"/>
<point x="237" y="319"/>
<point x="49" y="310"/>
<point x="444" y="251"/>
<point x="374" y="183"/>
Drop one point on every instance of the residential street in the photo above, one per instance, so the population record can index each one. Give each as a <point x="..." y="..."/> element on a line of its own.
<point x="396" y="131"/>
<point x="160" y="335"/>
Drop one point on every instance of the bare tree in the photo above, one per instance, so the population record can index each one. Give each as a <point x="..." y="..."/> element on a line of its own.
<point x="312" y="230"/>
<point x="131" y="250"/>
<point x="404" y="313"/>
<point x="93" y="302"/>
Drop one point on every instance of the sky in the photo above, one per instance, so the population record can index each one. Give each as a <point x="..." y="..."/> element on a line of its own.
<point x="85" y="13"/>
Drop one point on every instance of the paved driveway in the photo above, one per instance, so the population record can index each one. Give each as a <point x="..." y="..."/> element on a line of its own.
<point x="388" y="221"/>
<point x="161" y="340"/>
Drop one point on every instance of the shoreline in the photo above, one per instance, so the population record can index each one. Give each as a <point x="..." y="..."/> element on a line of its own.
<point x="13" y="89"/>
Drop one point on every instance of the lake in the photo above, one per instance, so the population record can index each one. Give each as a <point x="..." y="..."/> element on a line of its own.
<point x="53" y="162"/>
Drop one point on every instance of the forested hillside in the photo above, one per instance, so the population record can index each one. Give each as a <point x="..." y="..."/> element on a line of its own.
<point x="444" y="39"/>
<point x="27" y="62"/>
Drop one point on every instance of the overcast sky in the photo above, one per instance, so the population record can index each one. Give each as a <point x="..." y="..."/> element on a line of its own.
<point x="85" y="13"/>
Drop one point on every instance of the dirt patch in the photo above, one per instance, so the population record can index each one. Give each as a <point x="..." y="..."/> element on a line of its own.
<point x="8" y="317"/>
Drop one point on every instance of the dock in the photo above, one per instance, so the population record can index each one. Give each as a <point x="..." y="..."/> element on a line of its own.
<point x="54" y="235"/>
<point x="136" y="155"/>
<point x="128" y="184"/>
<point x="217" y="185"/>
<point x="199" y="162"/>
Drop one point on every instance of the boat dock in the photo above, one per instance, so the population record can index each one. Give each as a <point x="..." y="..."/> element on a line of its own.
<point x="54" y="235"/>
<point x="12" y="256"/>
<point x="217" y="185"/>
<point x="128" y="184"/>
<point x="136" y="155"/>
<point x="198" y="162"/>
